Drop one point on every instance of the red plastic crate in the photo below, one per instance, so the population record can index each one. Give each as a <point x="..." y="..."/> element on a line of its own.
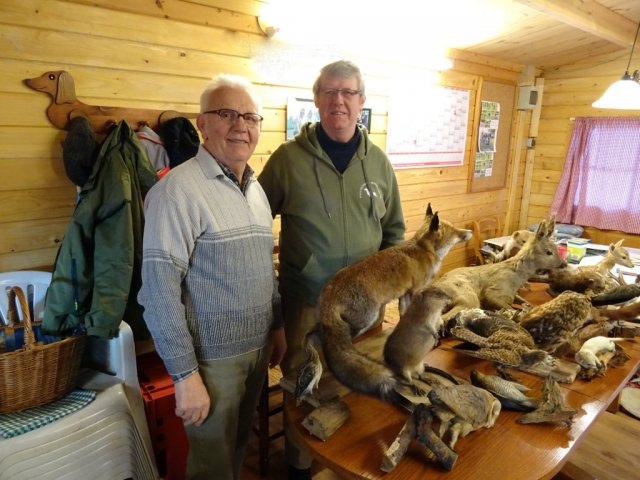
<point x="170" y="444"/>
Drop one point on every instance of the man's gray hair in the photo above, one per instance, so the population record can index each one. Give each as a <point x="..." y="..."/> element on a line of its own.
<point x="225" y="80"/>
<point x="341" y="68"/>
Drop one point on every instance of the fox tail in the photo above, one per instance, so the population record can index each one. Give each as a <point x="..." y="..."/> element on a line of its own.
<point x="351" y="367"/>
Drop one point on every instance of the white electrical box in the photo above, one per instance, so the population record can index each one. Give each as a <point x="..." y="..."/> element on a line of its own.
<point x="528" y="97"/>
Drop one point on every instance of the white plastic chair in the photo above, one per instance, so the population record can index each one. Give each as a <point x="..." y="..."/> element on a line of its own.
<point x="109" y="438"/>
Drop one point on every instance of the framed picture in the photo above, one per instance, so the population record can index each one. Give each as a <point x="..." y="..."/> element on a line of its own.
<point x="299" y="112"/>
<point x="365" y="118"/>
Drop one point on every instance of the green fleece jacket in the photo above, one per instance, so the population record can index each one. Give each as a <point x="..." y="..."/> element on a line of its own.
<point x="329" y="220"/>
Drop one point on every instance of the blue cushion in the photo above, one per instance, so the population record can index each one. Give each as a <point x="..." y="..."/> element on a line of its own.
<point x="563" y="230"/>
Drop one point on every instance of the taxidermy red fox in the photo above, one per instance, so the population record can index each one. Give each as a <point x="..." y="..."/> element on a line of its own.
<point x="350" y="302"/>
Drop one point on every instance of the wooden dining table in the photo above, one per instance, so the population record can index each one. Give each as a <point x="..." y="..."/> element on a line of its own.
<point x="509" y="450"/>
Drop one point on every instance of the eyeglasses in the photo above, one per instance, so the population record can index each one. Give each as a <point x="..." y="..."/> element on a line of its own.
<point x="231" y="116"/>
<point x="346" y="92"/>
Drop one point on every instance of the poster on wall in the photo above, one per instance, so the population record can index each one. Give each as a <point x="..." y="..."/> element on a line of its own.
<point x="428" y="128"/>
<point x="483" y="165"/>
<point x="300" y="111"/>
<point x="487" y="138"/>
<point x="365" y="118"/>
<point x="488" y="129"/>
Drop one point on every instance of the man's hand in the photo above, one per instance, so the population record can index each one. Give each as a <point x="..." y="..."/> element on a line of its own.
<point x="192" y="400"/>
<point x="278" y="345"/>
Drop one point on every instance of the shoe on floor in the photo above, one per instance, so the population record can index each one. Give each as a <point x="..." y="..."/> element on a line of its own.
<point x="299" y="474"/>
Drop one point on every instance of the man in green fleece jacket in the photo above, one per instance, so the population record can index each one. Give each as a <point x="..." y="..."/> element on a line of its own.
<point x="338" y="199"/>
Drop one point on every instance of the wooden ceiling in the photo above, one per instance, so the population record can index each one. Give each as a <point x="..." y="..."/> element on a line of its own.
<point x="548" y="33"/>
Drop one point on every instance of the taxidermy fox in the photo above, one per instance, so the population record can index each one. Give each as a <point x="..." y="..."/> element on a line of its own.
<point x="416" y="334"/>
<point x="350" y="302"/>
<point x="495" y="286"/>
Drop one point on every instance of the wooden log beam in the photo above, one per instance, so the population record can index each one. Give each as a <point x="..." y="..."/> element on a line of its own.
<point x="589" y="16"/>
<point x="326" y="419"/>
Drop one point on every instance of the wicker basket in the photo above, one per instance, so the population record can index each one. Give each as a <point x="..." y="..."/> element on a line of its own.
<point x="37" y="374"/>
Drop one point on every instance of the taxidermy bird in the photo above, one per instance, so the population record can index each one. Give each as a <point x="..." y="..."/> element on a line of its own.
<point x="619" y="294"/>
<point x="553" y="325"/>
<point x="310" y="371"/>
<point x="595" y="354"/>
<point x="499" y="339"/>
<point x="482" y="322"/>
<point x="552" y="407"/>
<point x="462" y="409"/>
<point x="511" y="394"/>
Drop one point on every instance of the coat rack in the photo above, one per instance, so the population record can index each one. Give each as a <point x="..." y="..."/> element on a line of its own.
<point x="65" y="106"/>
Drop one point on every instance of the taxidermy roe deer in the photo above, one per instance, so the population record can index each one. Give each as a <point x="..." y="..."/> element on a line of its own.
<point x="495" y="286"/>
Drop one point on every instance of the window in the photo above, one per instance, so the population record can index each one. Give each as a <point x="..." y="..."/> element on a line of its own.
<point x="600" y="184"/>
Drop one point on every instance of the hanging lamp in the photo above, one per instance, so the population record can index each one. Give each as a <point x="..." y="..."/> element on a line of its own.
<point x="625" y="93"/>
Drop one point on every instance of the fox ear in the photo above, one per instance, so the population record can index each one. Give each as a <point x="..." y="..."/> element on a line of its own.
<point x="435" y="223"/>
<point x="429" y="211"/>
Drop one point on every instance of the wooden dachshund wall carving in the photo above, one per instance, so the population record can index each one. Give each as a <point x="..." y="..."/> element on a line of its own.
<point x="64" y="105"/>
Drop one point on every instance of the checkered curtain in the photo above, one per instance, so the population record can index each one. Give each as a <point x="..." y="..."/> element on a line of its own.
<point x="600" y="184"/>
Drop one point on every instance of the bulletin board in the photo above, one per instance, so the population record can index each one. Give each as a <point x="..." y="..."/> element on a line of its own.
<point x="504" y="96"/>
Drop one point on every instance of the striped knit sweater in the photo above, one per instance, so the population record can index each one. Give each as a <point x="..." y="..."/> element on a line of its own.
<point x="208" y="284"/>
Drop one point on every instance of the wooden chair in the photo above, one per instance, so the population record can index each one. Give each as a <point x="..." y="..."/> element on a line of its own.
<point x="484" y="228"/>
<point x="270" y="403"/>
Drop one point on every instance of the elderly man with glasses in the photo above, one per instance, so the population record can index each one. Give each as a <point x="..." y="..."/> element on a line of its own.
<point x="209" y="287"/>
<point x="338" y="199"/>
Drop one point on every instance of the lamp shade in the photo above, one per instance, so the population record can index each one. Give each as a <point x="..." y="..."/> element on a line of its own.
<point x="623" y="94"/>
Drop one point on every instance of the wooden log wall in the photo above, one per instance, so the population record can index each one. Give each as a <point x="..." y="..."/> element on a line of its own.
<point x="569" y="92"/>
<point x="161" y="55"/>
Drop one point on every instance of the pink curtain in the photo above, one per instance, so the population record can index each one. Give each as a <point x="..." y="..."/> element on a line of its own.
<point x="600" y="184"/>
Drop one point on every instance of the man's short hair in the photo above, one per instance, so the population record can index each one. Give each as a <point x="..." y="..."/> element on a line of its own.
<point x="224" y="80"/>
<point x="341" y="68"/>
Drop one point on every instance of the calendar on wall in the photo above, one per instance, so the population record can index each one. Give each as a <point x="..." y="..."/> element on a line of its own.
<point x="428" y="129"/>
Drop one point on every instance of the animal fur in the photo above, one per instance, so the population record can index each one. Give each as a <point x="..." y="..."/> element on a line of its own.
<point x="590" y="279"/>
<point x="495" y="286"/>
<point x="629" y="312"/>
<point x="64" y="106"/>
<point x="350" y="302"/>
<point x="416" y="334"/>
<point x="587" y="356"/>
<point x="514" y="244"/>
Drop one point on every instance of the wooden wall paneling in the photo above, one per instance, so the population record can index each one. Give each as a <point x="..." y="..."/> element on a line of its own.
<point x="606" y="237"/>
<point x="160" y="55"/>
<point x="33" y="173"/>
<point x="65" y="16"/>
<point x="184" y="11"/>
<point x="488" y="73"/>
<point x="431" y="190"/>
<point x="33" y="235"/>
<point x="412" y="176"/>
<point x="37" y="44"/>
<point x="40" y="259"/>
<point x="30" y="142"/>
<point x="525" y="200"/>
<point x="37" y="204"/>
<point x="477" y="110"/>
<point x="514" y="166"/>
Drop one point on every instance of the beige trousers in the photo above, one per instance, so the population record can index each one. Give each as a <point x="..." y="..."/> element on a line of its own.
<point x="217" y="447"/>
